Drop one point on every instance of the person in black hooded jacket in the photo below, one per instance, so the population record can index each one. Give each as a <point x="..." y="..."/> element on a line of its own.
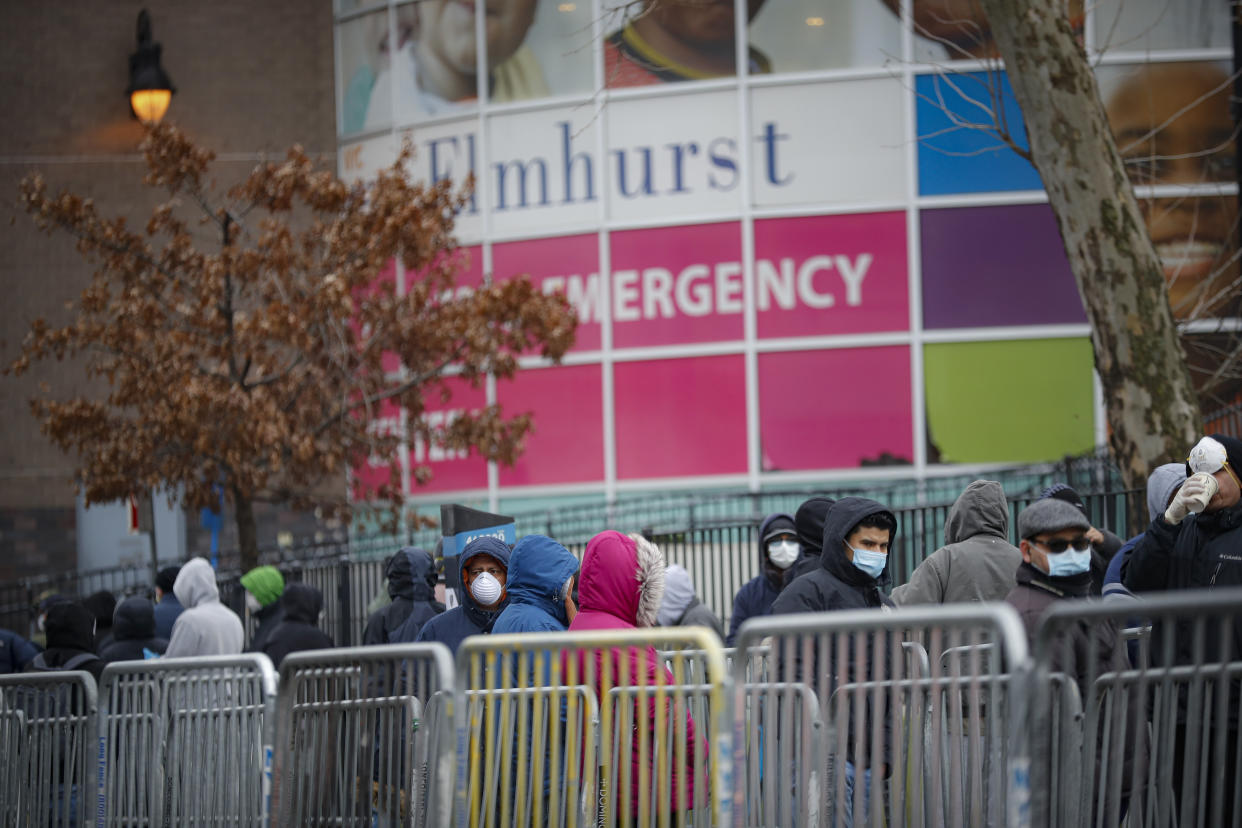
<point x="809" y="523"/>
<point x="298" y="628"/>
<point x="133" y="630"/>
<point x="411" y="575"/>
<point x="70" y="629"/>
<point x="777" y="563"/>
<point x="853" y="571"/>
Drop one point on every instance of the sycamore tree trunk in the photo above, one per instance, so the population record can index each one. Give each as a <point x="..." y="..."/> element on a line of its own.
<point x="1153" y="412"/>
<point x="247" y="534"/>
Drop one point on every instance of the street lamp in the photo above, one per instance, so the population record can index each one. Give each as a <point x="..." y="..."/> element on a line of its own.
<point x="149" y="90"/>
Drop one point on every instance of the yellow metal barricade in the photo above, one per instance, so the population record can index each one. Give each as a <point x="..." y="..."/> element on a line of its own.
<point x="602" y="728"/>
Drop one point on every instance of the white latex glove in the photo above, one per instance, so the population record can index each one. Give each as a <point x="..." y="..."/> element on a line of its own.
<point x="1180" y="507"/>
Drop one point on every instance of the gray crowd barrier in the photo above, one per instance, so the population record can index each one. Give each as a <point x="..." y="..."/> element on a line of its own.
<point x="365" y="737"/>
<point x="957" y="721"/>
<point x="47" y="738"/>
<point x="186" y="741"/>
<point x="827" y="699"/>
<point x="1159" y="730"/>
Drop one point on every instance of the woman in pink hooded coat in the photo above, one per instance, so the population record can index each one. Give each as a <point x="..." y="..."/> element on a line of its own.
<point x="620" y="587"/>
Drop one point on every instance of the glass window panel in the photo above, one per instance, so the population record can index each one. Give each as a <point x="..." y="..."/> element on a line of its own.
<point x="958" y="151"/>
<point x="996" y="265"/>
<point x="1146" y="25"/>
<point x="812" y="144"/>
<point x="959" y="30"/>
<point x="835" y="430"/>
<point x="981" y="400"/>
<point x="363" y="67"/>
<point x="560" y="43"/>
<point x="800" y="35"/>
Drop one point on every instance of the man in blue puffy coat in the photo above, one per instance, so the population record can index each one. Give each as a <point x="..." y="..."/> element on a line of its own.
<point x="484" y="577"/>
<point x="779" y="549"/>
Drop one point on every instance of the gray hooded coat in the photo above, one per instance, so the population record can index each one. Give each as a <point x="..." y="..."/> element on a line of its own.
<point x="206" y="627"/>
<point x="977" y="562"/>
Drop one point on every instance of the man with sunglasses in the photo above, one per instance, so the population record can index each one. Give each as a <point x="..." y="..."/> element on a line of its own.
<point x="1056" y="566"/>
<point x="1056" y="560"/>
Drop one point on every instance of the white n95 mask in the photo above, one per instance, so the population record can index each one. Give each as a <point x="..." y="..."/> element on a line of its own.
<point x="782" y="554"/>
<point x="486" y="589"/>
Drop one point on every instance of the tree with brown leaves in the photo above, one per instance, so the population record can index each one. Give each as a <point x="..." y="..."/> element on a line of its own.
<point x="260" y="365"/>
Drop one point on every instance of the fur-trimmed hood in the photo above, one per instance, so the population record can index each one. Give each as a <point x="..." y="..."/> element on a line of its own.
<point x="622" y="575"/>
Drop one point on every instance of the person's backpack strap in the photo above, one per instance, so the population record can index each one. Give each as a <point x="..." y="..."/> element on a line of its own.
<point x="39" y="663"/>
<point x="78" y="660"/>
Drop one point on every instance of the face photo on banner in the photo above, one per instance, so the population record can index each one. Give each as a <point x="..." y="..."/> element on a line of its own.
<point x="427" y="64"/>
<point x="664" y="41"/>
<point x="1172" y="126"/>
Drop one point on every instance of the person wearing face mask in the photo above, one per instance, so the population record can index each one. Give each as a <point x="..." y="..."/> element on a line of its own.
<point x="853" y="571"/>
<point x="263" y="585"/>
<point x="977" y="562"/>
<point x="779" y="549"/>
<point x="1056" y="566"/>
<point x="484" y="573"/>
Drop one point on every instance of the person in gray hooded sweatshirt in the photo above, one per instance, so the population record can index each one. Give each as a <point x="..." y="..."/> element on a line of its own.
<point x="206" y="627"/>
<point x="681" y="607"/>
<point x="977" y="562"/>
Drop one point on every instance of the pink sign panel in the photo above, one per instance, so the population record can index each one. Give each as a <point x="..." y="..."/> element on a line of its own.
<point x="826" y="275"/>
<point x="566" y="442"/>
<point x="451" y="469"/>
<point x="680" y="417"/>
<point x="835" y="409"/>
<point x="568" y="265"/>
<point x="676" y="284"/>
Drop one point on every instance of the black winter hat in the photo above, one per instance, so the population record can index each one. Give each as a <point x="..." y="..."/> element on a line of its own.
<point x="70" y="626"/>
<point x="809" y="521"/>
<point x="102" y="605"/>
<point x="166" y="577"/>
<point x="1062" y="491"/>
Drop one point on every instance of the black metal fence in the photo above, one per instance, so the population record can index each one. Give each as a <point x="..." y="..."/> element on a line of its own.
<point x="720" y="555"/>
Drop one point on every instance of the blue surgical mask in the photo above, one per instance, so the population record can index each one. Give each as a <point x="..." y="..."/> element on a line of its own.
<point x="1069" y="562"/>
<point x="869" y="562"/>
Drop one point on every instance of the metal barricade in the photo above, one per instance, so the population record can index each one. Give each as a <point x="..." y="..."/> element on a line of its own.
<point x="47" y="739"/>
<point x="186" y="741"/>
<point x="903" y="738"/>
<point x="1159" y="736"/>
<point x="364" y="737"/>
<point x="603" y="728"/>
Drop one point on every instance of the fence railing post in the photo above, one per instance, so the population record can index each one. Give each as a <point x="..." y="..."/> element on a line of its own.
<point x="344" y="596"/>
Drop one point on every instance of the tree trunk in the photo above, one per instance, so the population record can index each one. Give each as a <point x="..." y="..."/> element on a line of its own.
<point x="1153" y="411"/>
<point x="247" y="534"/>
